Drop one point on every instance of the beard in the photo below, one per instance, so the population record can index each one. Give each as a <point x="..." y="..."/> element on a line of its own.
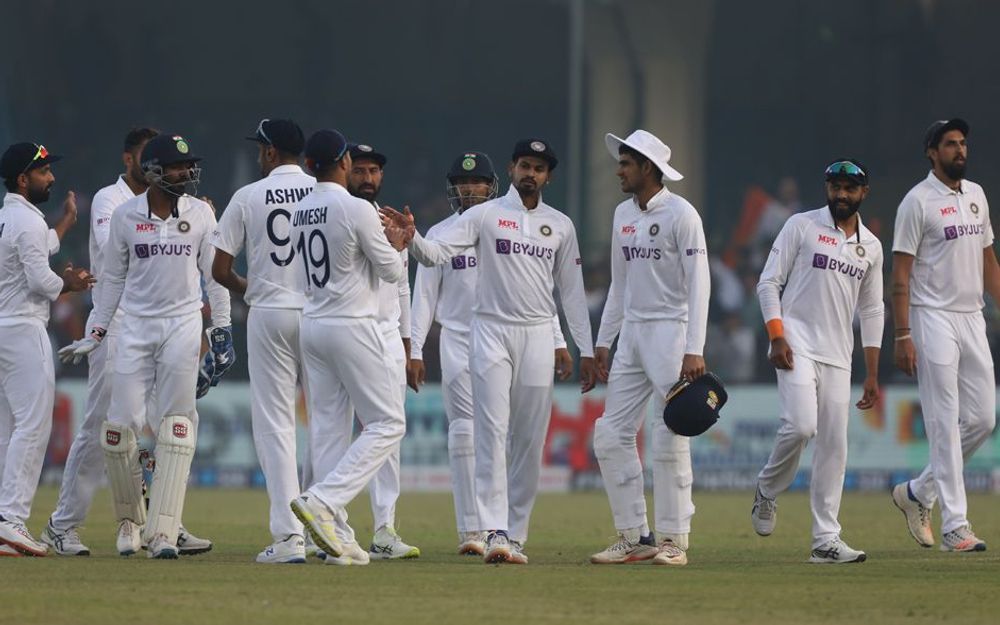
<point x="39" y="195"/>
<point x="843" y="210"/>
<point x="365" y="192"/>
<point x="954" y="170"/>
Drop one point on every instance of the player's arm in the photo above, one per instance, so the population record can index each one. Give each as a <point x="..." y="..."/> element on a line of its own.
<point x="568" y="274"/>
<point x="564" y="360"/>
<point x="218" y="296"/>
<point x="694" y="263"/>
<point x="32" y="246"/>
<point x="614" y="310"/>
<point x="228" y="240"/>
<point x="772" y="279"/>
<point x="426" y="290"/>
<point x="906" y="239"/>
<point x="871" y="311"/>
<point x="991" y="270"/>
<point x="404" y="306"/>
<point x="376" y="246"/>
<point x="463" y="233"/>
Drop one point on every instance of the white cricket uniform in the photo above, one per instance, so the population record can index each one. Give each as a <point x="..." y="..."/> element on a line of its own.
<point x="946" y="231"/>
<point x="85" y="464"/>
<point x="27" y="375"/>
<point x="446" y="293"/>
<point x="258" y="219"/>
<point x="344" y="351"/>
<point x="658" y="301"/>
<point x="152" y="271"/>
<point x="814" y="280"/>
<point x="522" y="255"/>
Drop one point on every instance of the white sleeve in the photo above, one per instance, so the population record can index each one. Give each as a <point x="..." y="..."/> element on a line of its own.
<point x="694" y="261"/>
<point x="52" y="240"/>
<point x="987" y="226"/>
<point x="101" y="210"/>
<point x="909" y="228"/>
<point x="557" y="334"/>
<point x="614" y="305"/>
<point x="777" y="269"/>
<point x="113" y="271"/>
<point x="230" y="233"/>
<point x="426" y="290"/>
<point x="218" y="295"/>
<point x="871" y="307"/>
<point x="568" y="275"/>
<point x="404" y="298"/>
<point x="32" y="246"/>
<point x="462" y="234"/>
<point x="371" y="237"/>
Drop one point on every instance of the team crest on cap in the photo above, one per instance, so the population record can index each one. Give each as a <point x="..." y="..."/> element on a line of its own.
<point x="974" y="209"/>
<point x="860" y="250"/>
<point x="654" y="229"/>
<point x="537" y="146"/>
<point x="713" y="400"/>
<point x="183" y="226"/>
<point x="182" y="145"/>
<point x="468" y="163"/>
<point x="365" y="148"/>
<point x="546" y="230"/>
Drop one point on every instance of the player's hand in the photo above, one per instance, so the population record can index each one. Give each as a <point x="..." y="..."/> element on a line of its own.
<point x="905" y="356"/>
<point x="692" y="367"/>
<point x="220" y="345"/>
<point x="869" y="395"/>
<point x="781" y="354"/>
<point x="564" y="363"/>
<point x="77" y="350"/>
<point x="404" y="221"/>
<point x="396" y="237"/>
<point x="206" y="376"/>
<point x="588" y="374"/>
<point x="602" y="361"/>
<point x="76" y="279"/>
<point x="69" y="208"/>
<point x="415" y="374"/>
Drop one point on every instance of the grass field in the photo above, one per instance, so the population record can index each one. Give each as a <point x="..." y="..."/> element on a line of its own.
<point x="734" y="576"/>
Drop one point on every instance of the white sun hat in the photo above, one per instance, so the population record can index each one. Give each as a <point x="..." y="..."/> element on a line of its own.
<point x="648" y="145"/>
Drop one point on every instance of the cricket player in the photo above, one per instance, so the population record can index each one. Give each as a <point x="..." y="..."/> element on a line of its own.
<point x="346" y="253"/>
<point x="658" y="307"/>
<point x="824" y="265"/>
<point x="258" y="220"/>
<point x="445" y="293"/>
<point x="942" y="258"/>
<point x="27" y="376"/>
<point x="365" y="181"/>
<point x="525" y="248"/>
<point x="157" y="252"/>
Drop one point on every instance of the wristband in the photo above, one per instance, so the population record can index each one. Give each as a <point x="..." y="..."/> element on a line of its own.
<point x="775" y="329"/>
<point x="903" y="337"/>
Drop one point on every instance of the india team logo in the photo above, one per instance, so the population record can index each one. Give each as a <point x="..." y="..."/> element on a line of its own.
<point x="860" y="251"/>
<point x="546" y="230"/>
<point x="654" y="230"/>
<point x="180" y="430"/>
<point x="184" y="226"/>
<point x="537" y="146"/>
<point x="820" y="261"/>
<point x="950" y="232"/>
<point x="468" y="163"/>
<point x="974" y="208"/>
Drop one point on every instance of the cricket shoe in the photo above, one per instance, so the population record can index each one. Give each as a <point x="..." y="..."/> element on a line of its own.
<point x="836" y="551"/>
<point x="472" y="543"/>
<point x="517" y="555"/>
<point x="764" y="514"/>
<point x="15" y="535"/>
<point x="64" y="543"/>
<point x="6" y="551"/>
<point x="129" y="539"/>
<point x="352" y="555"/>
<point x="162" y="549"/>
<point x="387" y="545"/>
<point x="918" y="516"/>
<point x="291" y="550"/>
<point x="670" y="553"/>
<point x="624" y="551"/>
<point x="497" y="548"/>
<point x="189" y="545"/>
<point x="311" y="548"/>
<point x="961" y="539"/>
<point x="319" y="521"/>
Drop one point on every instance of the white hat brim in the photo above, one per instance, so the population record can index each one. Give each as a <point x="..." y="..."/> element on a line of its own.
<point x="613" y="142"/>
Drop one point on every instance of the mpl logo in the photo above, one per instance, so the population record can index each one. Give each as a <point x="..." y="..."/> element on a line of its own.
<point x="628" y="229"/>
<point x="463" y="262"/>
<point x="112" y="437"/>
<point x="949" y="210"/>
<point x="180" y="430"/>
<point x="828" y="240"/>
<point x="145" y="227"/>
<point x="820" y="261"/>
<point x="509" y="224"/>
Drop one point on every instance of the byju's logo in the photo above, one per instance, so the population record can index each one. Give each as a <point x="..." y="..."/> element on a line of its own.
<point x="503" y="246"/>
<point x="462" y="262"/>
<point x="950" y="232"/>
<point x="965" y="230"/>
<point x="141" y="250"/>
<point x="820" y="261"/>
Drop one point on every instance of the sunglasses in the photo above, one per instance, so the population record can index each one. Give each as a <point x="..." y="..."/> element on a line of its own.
<point x="261" y="133"/>
<point x="41" y="153"/>
<point x="845" y="168"/>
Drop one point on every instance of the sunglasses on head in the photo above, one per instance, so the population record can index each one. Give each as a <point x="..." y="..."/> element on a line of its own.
<point x="845" y="168"/>
<point x="41" y="153"/>
<point x="261" y="133"/>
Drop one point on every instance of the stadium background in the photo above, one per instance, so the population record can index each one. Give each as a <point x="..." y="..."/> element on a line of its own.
<point x="754" y="100"/>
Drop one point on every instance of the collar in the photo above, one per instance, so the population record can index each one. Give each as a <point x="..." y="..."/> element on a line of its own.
<point x="17" y="198"/>
<point x="281" y="170"/>
<point x="515" y="199"/>
<point x="143" y="208"/>
<point x="944" y="189"/>
<point x="659" y="200"/>
<point x="826" y="218"/>
<point x="123" y="187"/>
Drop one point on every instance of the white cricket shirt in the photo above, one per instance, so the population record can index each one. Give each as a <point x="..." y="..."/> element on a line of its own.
<point x="341" y="244"/>
<point x="101" y="208"/>
<point x="825" y="276"/>
<point x="522" y="256"/>
<point x="154" y="267"/>
<point x="946" y="231"/>
<point x="259" y="217"/>
<point x="659" y="268"/>
<point x="27" y="285"/>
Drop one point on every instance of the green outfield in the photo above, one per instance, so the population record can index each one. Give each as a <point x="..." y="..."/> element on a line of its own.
<point x="734" y="576"/>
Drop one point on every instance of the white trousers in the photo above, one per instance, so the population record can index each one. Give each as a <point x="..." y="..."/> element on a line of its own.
<point x="647" y="364"/>
<point x="512" y="371"/>
<point x="347" y="365"/>
<point x="958" y="400"/>
<point x="273" y="358"/>
<point x="814" y="401"/>
<point x="456" y="391"/>
<point x="384" y="488"/>
<point x="27" y="394"/>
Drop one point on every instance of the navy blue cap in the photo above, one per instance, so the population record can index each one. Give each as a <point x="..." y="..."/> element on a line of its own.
<point x="23" y="157"/>
<point x="283" y="134"/>
<point x="472" y="164"/>
<point x="693" y="407"/>
<point x="936" y="130"/>
<point x="361" y="151"/>
<point x="535" y="147"/>
<point x="326" y="147"/>
<point x="167" y="149"/>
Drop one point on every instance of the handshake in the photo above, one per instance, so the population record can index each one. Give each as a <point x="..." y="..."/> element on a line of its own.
<point x="399" y="227"/>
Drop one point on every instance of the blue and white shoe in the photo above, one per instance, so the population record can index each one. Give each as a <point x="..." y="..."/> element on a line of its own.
<point x="291" y="550"/>
<point x="836" y="551"/>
